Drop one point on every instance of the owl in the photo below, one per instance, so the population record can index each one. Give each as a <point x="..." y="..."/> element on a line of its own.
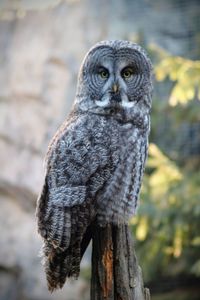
<point x="95" y="162"/>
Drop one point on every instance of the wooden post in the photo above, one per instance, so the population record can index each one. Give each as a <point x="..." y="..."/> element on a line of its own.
<point x="116" y="274"/>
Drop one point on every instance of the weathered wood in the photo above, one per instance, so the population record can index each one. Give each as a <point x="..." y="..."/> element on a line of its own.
<point x="116" y="274"/>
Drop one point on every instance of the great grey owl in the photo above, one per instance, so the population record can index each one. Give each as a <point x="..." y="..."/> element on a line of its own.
<point x="95" y="162"/>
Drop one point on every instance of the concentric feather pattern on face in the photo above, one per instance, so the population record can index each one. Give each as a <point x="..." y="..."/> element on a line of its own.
<point x="95" y="162"/>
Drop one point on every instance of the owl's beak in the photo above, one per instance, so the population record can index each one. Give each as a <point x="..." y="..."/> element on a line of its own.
<point x="115" y="88"/>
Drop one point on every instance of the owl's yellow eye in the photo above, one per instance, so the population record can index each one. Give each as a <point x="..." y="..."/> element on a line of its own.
<point x="103" y="73"/>
<point x="127" y="73"/>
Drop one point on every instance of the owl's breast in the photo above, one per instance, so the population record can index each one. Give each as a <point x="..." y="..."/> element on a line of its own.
<point x="119" y="196"/>
<point x="104" y="138"/>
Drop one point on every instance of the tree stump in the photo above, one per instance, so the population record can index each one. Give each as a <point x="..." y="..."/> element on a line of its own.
<point x="116" y="274"/>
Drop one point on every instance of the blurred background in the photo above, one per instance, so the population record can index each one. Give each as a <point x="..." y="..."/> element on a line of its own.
<point x="42" y="44"/>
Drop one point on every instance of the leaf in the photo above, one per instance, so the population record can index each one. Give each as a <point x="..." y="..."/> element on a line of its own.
<point x="184" y="72"/>
<point x="142" y="229"/>
<point x="196" y="241"/>
<point x="196" y="268"/>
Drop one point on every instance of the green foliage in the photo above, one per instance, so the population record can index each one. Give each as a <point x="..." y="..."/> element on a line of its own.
<point x="167" y="226"/>
<point x="185" y="73"/>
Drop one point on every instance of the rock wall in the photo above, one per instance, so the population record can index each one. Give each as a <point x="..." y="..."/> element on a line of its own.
<point x="41" y="50"/>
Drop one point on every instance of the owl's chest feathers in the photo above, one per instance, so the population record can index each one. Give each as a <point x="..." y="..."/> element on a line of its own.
<point x="122" y="142"/>
<point x="121" y="185"/>
<point x="119" y="138"/>
<point x="123" y="137"/>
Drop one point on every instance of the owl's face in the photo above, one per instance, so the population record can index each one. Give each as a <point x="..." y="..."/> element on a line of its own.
<point x="115" y="80"/>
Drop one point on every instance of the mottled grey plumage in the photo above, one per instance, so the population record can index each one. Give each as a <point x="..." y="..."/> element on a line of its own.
<point x="95" y="162"/>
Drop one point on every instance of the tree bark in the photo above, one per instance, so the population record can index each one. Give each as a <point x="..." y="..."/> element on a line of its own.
<point x="116" y="274"/>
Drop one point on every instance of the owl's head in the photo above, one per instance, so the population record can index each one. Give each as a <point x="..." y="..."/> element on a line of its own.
<point x="115" y="80"/>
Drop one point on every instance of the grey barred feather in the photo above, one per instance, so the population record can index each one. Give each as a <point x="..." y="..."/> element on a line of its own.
<point x="95" y="162"/>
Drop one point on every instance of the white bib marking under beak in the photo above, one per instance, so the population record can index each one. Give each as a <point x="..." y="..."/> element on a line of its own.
<point x="102" y="103"/>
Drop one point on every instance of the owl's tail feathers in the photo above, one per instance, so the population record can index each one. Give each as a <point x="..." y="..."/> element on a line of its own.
<point x="60" y="265"/>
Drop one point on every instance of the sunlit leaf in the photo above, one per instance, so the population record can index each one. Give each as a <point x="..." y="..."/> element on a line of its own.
<point x="196" y="268"/>
<point x="178" y="243"/>
<point x="184" y="72"/>
<point x="142" y="229"/>
<point x="196" y="241"/>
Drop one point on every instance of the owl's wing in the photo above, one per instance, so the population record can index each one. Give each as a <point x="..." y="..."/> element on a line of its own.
<point x="72" y="160"/>
<point x="78" y="164"/>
